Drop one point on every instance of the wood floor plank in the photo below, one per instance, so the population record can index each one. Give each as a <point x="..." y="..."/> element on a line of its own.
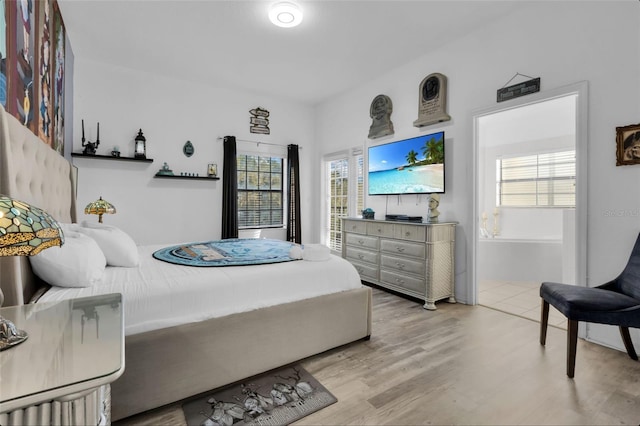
<point x="462" y="365"/>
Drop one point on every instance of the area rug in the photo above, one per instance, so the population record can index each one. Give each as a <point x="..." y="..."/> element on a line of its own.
<point x="229" y="252"/>
<point x="276" y="398"/>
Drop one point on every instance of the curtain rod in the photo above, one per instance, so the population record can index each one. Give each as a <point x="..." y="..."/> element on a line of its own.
<point x="258" y="142"/>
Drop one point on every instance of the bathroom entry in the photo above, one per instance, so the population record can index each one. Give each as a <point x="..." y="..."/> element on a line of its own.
<point x="528" y="199"/>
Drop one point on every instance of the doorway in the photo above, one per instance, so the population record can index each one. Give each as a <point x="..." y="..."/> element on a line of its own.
<point x="529" y="199"/>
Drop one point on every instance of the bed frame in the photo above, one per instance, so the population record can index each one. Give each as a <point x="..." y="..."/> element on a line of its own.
<point x="167" y="365"/>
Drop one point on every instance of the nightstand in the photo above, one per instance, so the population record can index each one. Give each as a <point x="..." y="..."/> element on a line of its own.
<point x="61" y="373"/>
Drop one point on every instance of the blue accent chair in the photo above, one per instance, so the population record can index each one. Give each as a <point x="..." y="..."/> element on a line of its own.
<point x="616" y="303"/>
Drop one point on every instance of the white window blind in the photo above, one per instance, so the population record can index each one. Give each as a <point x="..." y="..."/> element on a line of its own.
<point x="345" y="193"/>
<point x="260" y="196"/>
<point x="538" y="180"/>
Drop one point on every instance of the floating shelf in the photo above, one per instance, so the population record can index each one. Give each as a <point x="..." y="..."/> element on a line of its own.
<point x="187" y="177"/>
<point x="111" y="157"/>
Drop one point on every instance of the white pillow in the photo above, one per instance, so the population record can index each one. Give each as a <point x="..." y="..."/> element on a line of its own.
<point x="78" y="263"/>
<point x="69" y="227"/>
<point x="118" y="247"/>
<point x="316" y="252"/>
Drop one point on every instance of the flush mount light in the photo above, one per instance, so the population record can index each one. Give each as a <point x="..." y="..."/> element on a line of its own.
<point x="285" y="14"/>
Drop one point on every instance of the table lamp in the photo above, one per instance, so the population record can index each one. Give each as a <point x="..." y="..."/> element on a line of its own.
<point x="24" y="231"/>
<point x="99" y="207"/>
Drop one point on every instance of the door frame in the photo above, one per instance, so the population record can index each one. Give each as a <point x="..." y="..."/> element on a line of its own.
<point x="580" y="89"/>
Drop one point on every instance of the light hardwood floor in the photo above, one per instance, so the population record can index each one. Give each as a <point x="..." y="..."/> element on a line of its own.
<point x="462" y="365"/>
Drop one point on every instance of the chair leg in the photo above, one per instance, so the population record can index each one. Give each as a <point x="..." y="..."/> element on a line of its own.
<point x="544" y="320"/>
<point x="628" y="344"/>
<point x="572" y="343"/>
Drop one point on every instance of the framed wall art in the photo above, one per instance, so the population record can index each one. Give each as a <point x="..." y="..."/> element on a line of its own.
<point x="32" y="67"/>
<point x="3" y="55"/>
<point x="628" y="145"/>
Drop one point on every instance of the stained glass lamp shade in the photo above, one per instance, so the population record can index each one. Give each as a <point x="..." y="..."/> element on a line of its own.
<point x="24" y="231"/>
<point x="100" y="207"/>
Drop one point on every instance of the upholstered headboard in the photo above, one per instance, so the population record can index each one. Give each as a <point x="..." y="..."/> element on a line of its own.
<point x="31" y="171"/>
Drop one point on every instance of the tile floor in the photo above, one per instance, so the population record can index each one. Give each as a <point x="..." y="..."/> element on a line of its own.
<point x="517" y="298"/>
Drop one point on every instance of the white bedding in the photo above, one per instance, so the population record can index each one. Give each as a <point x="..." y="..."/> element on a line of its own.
<point x="158" y="294"/>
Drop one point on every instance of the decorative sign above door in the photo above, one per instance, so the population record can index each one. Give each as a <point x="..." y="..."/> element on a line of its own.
<point x="432" y="101"/>
<point x="521" y="89"/>
<point x="259" y="122"/>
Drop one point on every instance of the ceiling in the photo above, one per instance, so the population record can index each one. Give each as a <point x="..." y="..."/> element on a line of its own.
<point x="232" y="44"/>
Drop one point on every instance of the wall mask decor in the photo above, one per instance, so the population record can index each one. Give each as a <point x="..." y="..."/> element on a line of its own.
<point x="432" y="101"/>
<point x="380" y="112"/>
<point x="188" y="149"/>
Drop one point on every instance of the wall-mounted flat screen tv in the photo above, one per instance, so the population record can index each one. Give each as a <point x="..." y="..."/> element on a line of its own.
<point x="409" y="166"/>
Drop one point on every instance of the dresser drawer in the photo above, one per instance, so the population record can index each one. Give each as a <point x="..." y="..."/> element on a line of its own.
<point x="380" y="229"/>
<point x="362" y="255"/>
<point x="360" y="240"/>
<point x="404" y="282"/>
<point x="409" y="232"/>
<point x="356" y="226"/>
<point x="366" y="272"/>
<point x="404" y="248"/>
<point x="403" y="264"/>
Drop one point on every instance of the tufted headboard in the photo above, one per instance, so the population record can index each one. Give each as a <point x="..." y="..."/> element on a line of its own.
<point x="31" y="171"/>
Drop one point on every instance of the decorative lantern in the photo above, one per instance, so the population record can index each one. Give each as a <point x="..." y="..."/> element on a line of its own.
<point x="140" y="150"/>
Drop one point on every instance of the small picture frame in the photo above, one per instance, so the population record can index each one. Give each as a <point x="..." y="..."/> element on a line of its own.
<point x="212" y="170"/>
<point x="628" y="145"/>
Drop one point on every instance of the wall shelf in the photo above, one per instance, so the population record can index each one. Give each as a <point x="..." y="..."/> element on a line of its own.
<point x="187" y="177"/>
<point x="111" y="157"/>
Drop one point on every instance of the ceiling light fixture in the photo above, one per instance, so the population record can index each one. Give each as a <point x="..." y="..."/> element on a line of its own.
<point x="285" y="14"/>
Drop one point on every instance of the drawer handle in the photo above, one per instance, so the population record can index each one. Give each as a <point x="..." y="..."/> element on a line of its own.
<point x="379" y="230"/>
<point x="360" y="242"/>
<point x="353" y="227"/>
<point x="399" y="281"/>
<point x="407" y="234"/>
<point x="400" y="249"/>
<point x="361" y="256"/>
<point x="400" y="265"/>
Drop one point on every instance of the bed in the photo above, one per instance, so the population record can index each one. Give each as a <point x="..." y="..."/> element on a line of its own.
<point x="172" y="360"/>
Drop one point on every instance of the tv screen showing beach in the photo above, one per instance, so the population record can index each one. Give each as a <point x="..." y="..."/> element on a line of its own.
<point x="410" y="166"/>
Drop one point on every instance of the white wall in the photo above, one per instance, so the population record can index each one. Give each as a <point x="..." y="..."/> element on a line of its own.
<point x="170" y="112"/>
<point x="561" y="42"/>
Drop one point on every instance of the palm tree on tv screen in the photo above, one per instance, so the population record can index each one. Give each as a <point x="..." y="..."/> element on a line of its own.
<point x="412" y="157"/>
<point x="433" y="150"/>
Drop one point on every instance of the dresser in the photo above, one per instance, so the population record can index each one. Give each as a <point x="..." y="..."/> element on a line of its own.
<point x="416" y="259"/>
<point x="61" y="374"/>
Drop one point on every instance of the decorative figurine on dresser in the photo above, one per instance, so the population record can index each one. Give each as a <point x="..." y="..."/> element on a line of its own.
<point x="412" y="258"/>
<point x="434" y="202"/>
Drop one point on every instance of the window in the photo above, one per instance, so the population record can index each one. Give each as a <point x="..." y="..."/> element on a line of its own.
<point x="344" y="177"/>
<point x="539" y="180"/>
<point x="260" y="197"/>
